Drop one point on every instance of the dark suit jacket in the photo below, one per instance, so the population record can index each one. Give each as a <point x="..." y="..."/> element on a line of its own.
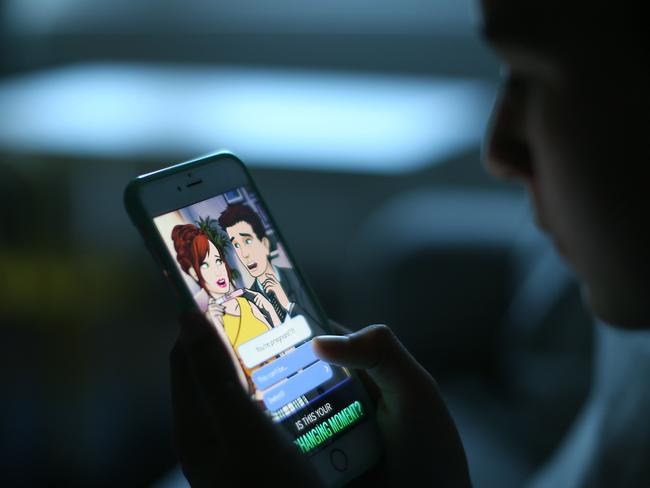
<point x="295" y="292"/>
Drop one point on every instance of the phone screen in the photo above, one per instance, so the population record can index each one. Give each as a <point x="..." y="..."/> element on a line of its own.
<point x="243" y="280"/>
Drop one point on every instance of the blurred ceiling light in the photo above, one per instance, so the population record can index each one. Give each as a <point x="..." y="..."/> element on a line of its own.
<point x="281" y="118"/>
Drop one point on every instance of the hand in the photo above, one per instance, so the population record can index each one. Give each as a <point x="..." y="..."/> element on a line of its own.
<point x="220" y="434"/>
<point x="272" y="285"/>
<point x="421" y="443"/>
<point x="216" y="312"/>
<point x="263" y="304"/>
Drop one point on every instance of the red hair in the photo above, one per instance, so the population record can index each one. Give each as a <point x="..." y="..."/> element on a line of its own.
<point x="192" y="247"/>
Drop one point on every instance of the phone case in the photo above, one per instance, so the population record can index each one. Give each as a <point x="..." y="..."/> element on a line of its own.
<point x="156" y="246"/>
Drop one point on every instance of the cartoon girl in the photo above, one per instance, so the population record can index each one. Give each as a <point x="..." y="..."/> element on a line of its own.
<point x="203" y="260"/>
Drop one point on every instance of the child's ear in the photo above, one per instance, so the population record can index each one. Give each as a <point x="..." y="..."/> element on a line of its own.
<point x="266" y="243"/>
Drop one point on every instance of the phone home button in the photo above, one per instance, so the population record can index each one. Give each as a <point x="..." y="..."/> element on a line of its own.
<point x="339" y="459"/>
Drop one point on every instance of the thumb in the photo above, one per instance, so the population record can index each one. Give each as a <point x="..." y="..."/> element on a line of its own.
<point x="413" y="410"/>
<point x="378" y="351"/>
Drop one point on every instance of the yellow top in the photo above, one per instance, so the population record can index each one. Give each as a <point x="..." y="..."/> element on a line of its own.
<point x="245" y="327"/>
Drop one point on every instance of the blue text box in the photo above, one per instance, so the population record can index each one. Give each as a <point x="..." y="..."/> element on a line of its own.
<point x="284" y="366"/>
<point x="296" y="386"/>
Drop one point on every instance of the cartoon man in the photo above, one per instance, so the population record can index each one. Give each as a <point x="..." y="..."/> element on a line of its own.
<point x="280" y="285"/>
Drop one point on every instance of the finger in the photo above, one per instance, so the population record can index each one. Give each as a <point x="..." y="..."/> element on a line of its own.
<point x="245" y="430"/>
<point x="206" y="351"/>
<point x="368" y="382"/>
<point x="411" y="406"/>
<point x="376" y="350"/>
<point x="243" y="433"/>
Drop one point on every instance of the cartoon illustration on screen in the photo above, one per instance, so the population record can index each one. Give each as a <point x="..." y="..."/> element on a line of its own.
<point x="280" y="285"/>
<point x="242" y="279"/>
<point x="203" y="259"/>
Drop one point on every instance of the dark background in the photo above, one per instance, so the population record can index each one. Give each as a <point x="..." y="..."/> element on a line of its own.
<point x="428" y="243"/>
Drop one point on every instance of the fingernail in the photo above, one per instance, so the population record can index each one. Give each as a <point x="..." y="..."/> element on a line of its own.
<point x="332" y="338"/>
<point x="327" y="343"/>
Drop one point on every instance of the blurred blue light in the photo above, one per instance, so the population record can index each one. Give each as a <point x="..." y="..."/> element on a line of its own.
<point x="284" y="118"/>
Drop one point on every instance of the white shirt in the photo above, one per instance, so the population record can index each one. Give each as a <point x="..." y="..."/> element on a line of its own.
<point x="609" y="443"/>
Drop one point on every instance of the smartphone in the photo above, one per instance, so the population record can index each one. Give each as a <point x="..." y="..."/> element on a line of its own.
<point x="215" y="240"/>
